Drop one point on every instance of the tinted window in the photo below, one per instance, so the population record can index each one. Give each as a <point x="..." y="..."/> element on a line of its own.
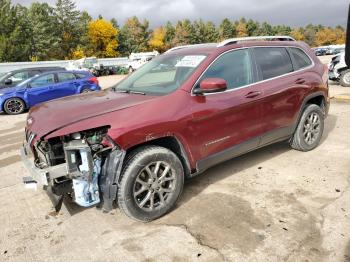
<point x="234" y="67"/>
<point x="301" y="60"/>
<point x="64" y="77"/>
<point x="19" y="77"/>
<point x="34" y="73"/>
<point x="43" y="80"/>
<point x="273" y="61"/>
<point x="80" y="76"/>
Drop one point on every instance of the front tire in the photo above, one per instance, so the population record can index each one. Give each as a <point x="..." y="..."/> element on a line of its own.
<point x="344" y="78"/>
<point x="151" y="183"/>
<point x="309" y="132"/>
<point x="14" y="106"/>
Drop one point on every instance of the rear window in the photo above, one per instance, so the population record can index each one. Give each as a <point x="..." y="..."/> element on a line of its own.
<point x="273" y="61"/>
<point x="80" y="76"/>
<point x="64" y="77"/>
<point x="301" y="60"/>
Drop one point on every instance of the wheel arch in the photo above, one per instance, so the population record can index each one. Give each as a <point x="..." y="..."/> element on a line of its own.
<point x="317" y="98"/>
<point x="173" y="144"/>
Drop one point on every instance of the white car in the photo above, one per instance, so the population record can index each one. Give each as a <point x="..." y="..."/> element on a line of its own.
<point x="339" y="71"/>
<point x="136" y="60"/>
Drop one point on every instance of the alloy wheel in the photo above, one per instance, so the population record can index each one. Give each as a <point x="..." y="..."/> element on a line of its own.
<point x="14" y="106"/>
<point x="153" y="186"/>
<point x="311" y="129"/>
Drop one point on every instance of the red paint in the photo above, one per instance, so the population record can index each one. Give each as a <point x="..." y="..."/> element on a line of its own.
<point x="225" y="119"/>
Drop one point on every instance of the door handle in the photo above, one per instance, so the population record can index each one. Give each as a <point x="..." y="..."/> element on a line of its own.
<point x="300" y="81"/>
<point x="253" y="94"/>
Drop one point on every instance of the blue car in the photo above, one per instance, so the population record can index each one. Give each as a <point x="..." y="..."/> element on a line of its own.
<point x="45" y="87"/>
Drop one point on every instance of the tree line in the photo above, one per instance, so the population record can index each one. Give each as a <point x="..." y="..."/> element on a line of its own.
<point x="45" y="32"/>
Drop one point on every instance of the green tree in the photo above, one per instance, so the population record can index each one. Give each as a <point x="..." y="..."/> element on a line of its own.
<point x="15" y="32"/>
<point x="169" y="34"/>
<point x="134" y="36"/>
<point x="226" y="30"/>
<point x="67" y="20"/>
<point x="44" y="41"/>
<point x="204" y="32"/>
<point x="253" y="27"/>
<point x="184" y="33"/>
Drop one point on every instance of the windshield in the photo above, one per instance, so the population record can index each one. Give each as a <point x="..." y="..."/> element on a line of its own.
<point x="162" y="75"/>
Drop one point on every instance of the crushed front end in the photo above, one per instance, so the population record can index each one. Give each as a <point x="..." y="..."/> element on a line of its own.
<point x="84" y="166"/>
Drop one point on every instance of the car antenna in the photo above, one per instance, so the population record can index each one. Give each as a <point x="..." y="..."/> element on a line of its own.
<point x="347" y="45"/>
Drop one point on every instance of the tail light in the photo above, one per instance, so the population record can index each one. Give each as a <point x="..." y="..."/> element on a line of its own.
<point x="93" y="80"/>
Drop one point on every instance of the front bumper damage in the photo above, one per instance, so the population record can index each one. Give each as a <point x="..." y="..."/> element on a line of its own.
<point x="90" y="183"/>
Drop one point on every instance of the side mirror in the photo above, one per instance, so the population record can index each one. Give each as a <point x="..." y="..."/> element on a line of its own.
<point x="8" y="81"/>
<point x="211" y="85"/>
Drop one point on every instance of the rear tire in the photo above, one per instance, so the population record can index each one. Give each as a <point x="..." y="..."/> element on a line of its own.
<point x="309" y="131"/>
<point x="14" y="106"/>
<point x="151" y="183"/>
<point x="86" y="90"/>
<point x="344" y="78"/>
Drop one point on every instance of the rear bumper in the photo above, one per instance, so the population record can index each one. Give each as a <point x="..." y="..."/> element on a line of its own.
<point x="43" y="176"/>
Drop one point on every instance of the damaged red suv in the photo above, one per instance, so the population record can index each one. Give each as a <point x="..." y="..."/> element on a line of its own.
<point x="185" y="111"/>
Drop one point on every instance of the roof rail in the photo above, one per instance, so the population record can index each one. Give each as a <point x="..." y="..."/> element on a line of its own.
<point x="254" y="38"/>
<point x="185" y="46"/>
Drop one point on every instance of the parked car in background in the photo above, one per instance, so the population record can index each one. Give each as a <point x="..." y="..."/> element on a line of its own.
<point x="339" y="71"/>
<point x="139" y="59"/>
<point x="92" y="64"/>
<point x="44" y="87"/>
<point x="182" y="113"/>
<point x="320" y="51"/>
<point x="15" y="77"/>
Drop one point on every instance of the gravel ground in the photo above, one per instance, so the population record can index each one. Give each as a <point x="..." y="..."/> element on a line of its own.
<point x="274" y="204"/>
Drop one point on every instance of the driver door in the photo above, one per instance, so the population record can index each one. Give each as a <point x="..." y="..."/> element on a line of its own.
<point x="227" y="123"/>
<point x="41" y="88"/>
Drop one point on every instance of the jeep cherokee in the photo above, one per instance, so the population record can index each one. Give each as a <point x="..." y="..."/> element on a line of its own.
<point x="183" y="112"/>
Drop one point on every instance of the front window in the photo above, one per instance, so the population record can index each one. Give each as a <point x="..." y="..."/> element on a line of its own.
<point x="234" y="67"/>
<point x="161" y="75"/>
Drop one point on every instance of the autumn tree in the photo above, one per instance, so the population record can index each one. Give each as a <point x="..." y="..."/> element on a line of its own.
<point x="103" y="38"/>
<point x="297" y="34"/>
<point x="241" y="28"/>
<point x="326" y="36"/>
<point x="157" y="41"/>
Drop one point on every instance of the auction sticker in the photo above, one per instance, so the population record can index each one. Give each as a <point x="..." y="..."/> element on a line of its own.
<point x="190" y="61"/>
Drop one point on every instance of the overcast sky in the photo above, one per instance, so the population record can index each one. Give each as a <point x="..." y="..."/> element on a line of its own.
<point x="289" y="12"/>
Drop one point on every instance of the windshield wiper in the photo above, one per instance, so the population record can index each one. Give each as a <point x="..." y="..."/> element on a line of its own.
<point x="129" y="92"/>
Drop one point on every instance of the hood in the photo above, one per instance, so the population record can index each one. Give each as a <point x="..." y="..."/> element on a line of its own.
<point x="50" y="116"/>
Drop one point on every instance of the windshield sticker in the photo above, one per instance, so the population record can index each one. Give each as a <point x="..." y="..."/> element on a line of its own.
<point x="190" y="61"/>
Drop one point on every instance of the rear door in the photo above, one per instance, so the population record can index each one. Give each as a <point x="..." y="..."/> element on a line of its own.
<point x="67" y="84"/>
<point x="228" y="123"/>
<point x="282" y="89"/>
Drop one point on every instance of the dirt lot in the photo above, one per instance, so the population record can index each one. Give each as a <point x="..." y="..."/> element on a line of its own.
<point x="275" y="204"/>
